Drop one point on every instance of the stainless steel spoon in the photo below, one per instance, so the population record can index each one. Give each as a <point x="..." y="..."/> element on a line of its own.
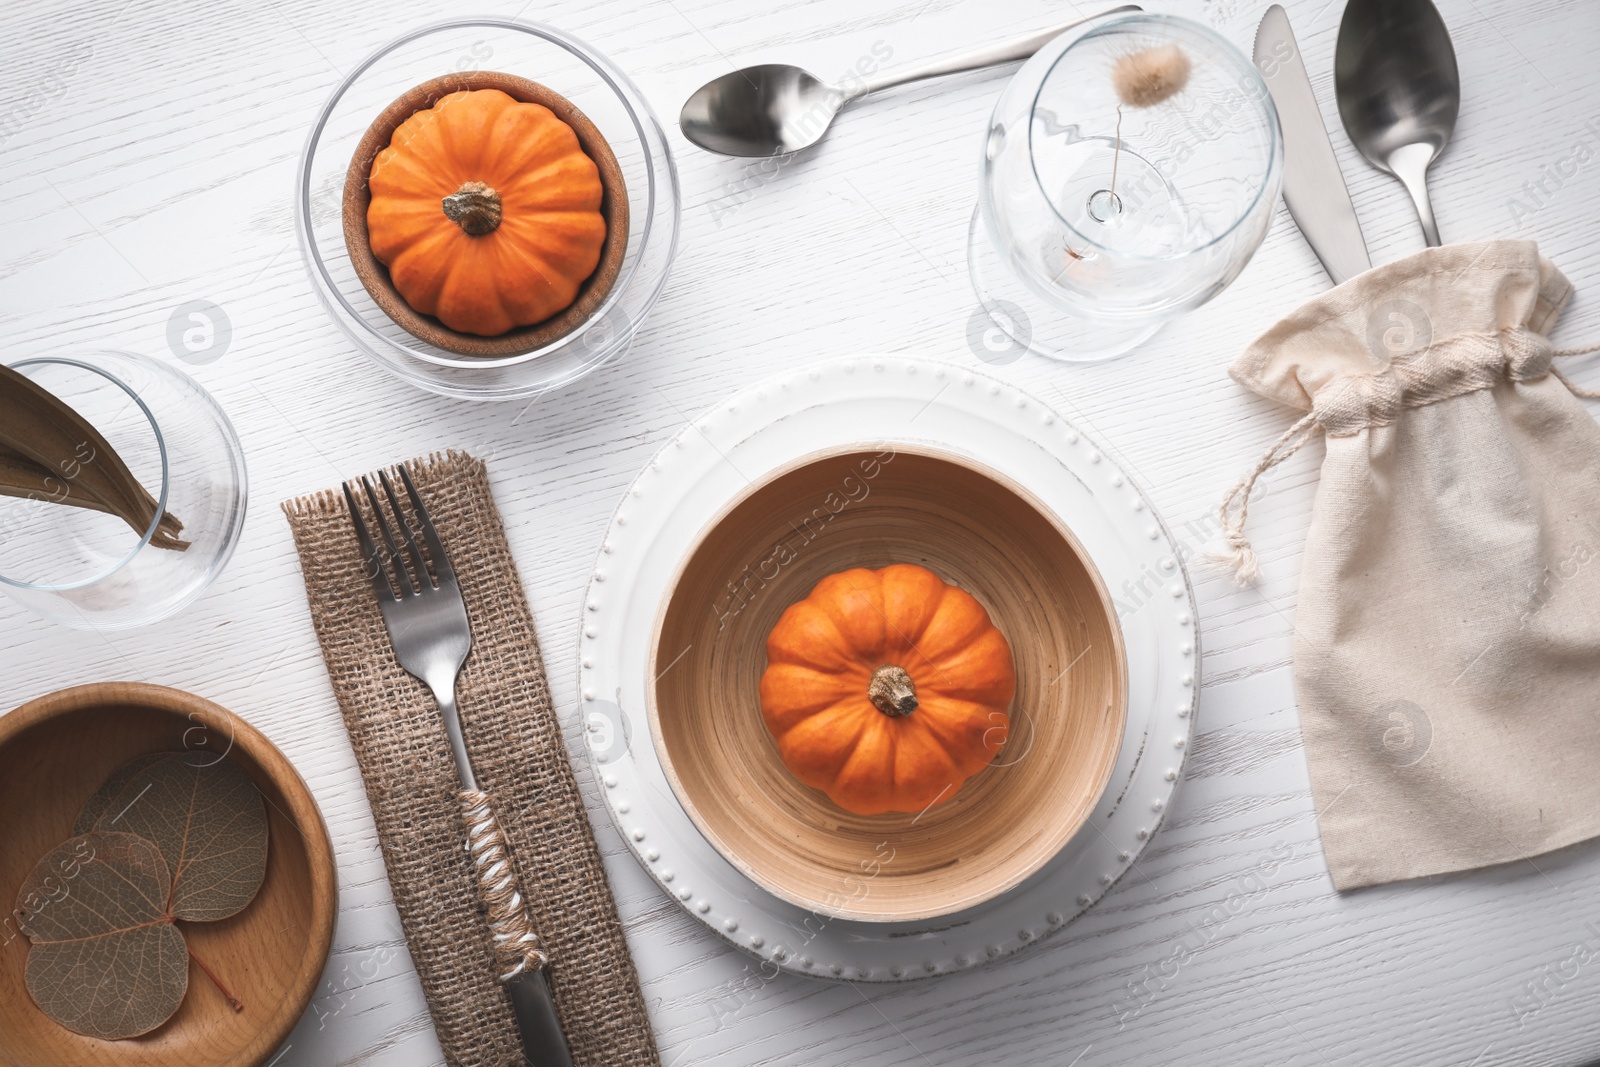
<point x="773" y="109"/>
<point x="1399" y="92"/>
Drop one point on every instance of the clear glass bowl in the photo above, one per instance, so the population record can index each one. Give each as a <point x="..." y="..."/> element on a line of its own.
<point x="554" y="59"/>
<point x="1101" y="220"/>
<point x="90" y="570"/>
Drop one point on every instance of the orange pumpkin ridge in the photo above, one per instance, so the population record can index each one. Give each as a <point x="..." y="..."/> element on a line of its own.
<point x="486" y="211"/>
<point x="887" y="690"/>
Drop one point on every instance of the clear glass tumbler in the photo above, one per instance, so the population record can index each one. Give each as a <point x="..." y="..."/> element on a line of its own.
<point x="1099" y="219"/>
<point x="91" y="570"/>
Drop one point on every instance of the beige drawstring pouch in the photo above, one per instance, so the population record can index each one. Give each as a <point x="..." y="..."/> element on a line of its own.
<point x="1447" y="644"/>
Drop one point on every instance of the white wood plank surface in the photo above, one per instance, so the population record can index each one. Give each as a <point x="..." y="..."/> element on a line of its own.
<point x="146" y="154"/>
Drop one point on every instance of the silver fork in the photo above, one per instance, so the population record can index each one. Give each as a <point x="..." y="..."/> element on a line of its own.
<point x="431" y="635"/>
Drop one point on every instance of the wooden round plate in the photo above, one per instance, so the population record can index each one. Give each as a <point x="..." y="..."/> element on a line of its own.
<point x="55" y="752"/>
<point x="871" y="508"/>
<point x="375" y="276"/>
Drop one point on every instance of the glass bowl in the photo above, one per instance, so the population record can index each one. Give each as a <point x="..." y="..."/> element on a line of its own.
<point x="1098" y="220"/>
<point x="554" y="59"/>
<point x="90" y="570"/>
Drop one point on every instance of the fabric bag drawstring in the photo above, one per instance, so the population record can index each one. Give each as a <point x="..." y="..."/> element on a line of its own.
<point x="1238" y="558"/>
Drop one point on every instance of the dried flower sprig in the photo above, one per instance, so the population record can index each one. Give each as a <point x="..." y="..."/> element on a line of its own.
<point x="1144" y="79"/>
<point x="1147" y="77"/>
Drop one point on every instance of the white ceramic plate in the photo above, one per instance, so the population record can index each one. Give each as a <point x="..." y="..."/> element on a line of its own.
<point x="865" y="401"/>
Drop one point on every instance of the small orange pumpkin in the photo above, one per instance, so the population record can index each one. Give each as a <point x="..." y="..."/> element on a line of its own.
<point x="486" y="212"/>
<point x="887" y="689"/>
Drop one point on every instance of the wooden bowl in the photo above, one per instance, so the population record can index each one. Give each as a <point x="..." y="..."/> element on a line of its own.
<point x="975" y="530"/>
<point x="54" y="753"/>
<point x="375" y="276"/>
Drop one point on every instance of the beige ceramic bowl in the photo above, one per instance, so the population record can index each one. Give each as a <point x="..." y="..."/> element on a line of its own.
<point x="975" y="530"/>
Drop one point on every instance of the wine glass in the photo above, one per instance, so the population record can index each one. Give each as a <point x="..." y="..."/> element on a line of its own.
<point x="1099" y="219"/>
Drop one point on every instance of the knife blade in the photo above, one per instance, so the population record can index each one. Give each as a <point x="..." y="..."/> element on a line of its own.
<point x="1313" y="184"/>
<point x="543" y="1044"/>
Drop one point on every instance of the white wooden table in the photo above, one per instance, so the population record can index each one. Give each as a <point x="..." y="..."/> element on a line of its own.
<point x="146" y="153"/>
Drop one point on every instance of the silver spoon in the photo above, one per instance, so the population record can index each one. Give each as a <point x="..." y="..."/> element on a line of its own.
<point x="773" y="109"/>
<point x="1399" y="92"/>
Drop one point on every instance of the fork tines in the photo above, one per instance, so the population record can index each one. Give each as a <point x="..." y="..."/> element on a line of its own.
<point x="377" y="556"/>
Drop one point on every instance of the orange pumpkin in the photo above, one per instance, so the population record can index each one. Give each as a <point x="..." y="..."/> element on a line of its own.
<point x="887" y="689"/>
<point x="486" y="212"/>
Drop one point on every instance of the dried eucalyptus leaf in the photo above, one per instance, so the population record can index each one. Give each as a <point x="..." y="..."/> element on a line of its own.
<point x="178" y="836"/>
<point x="96" y="805"/>
<point x="208" y="820"/>
<point x="42" y="427"/>
<point x="38" y="426"/>
<point x="22" y="477"/>
<point x="105" y="959"/>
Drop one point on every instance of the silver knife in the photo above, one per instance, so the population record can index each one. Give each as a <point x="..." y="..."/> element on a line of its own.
<point x="1313" y="184"/>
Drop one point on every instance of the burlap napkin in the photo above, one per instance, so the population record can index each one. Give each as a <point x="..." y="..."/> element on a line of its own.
<point x="517" y="750"/>
<point x="1447" y="637"/>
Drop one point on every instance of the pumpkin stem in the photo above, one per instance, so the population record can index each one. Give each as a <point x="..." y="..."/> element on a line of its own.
<point x="891" y="691"/>
<point x="474" y="207"/>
